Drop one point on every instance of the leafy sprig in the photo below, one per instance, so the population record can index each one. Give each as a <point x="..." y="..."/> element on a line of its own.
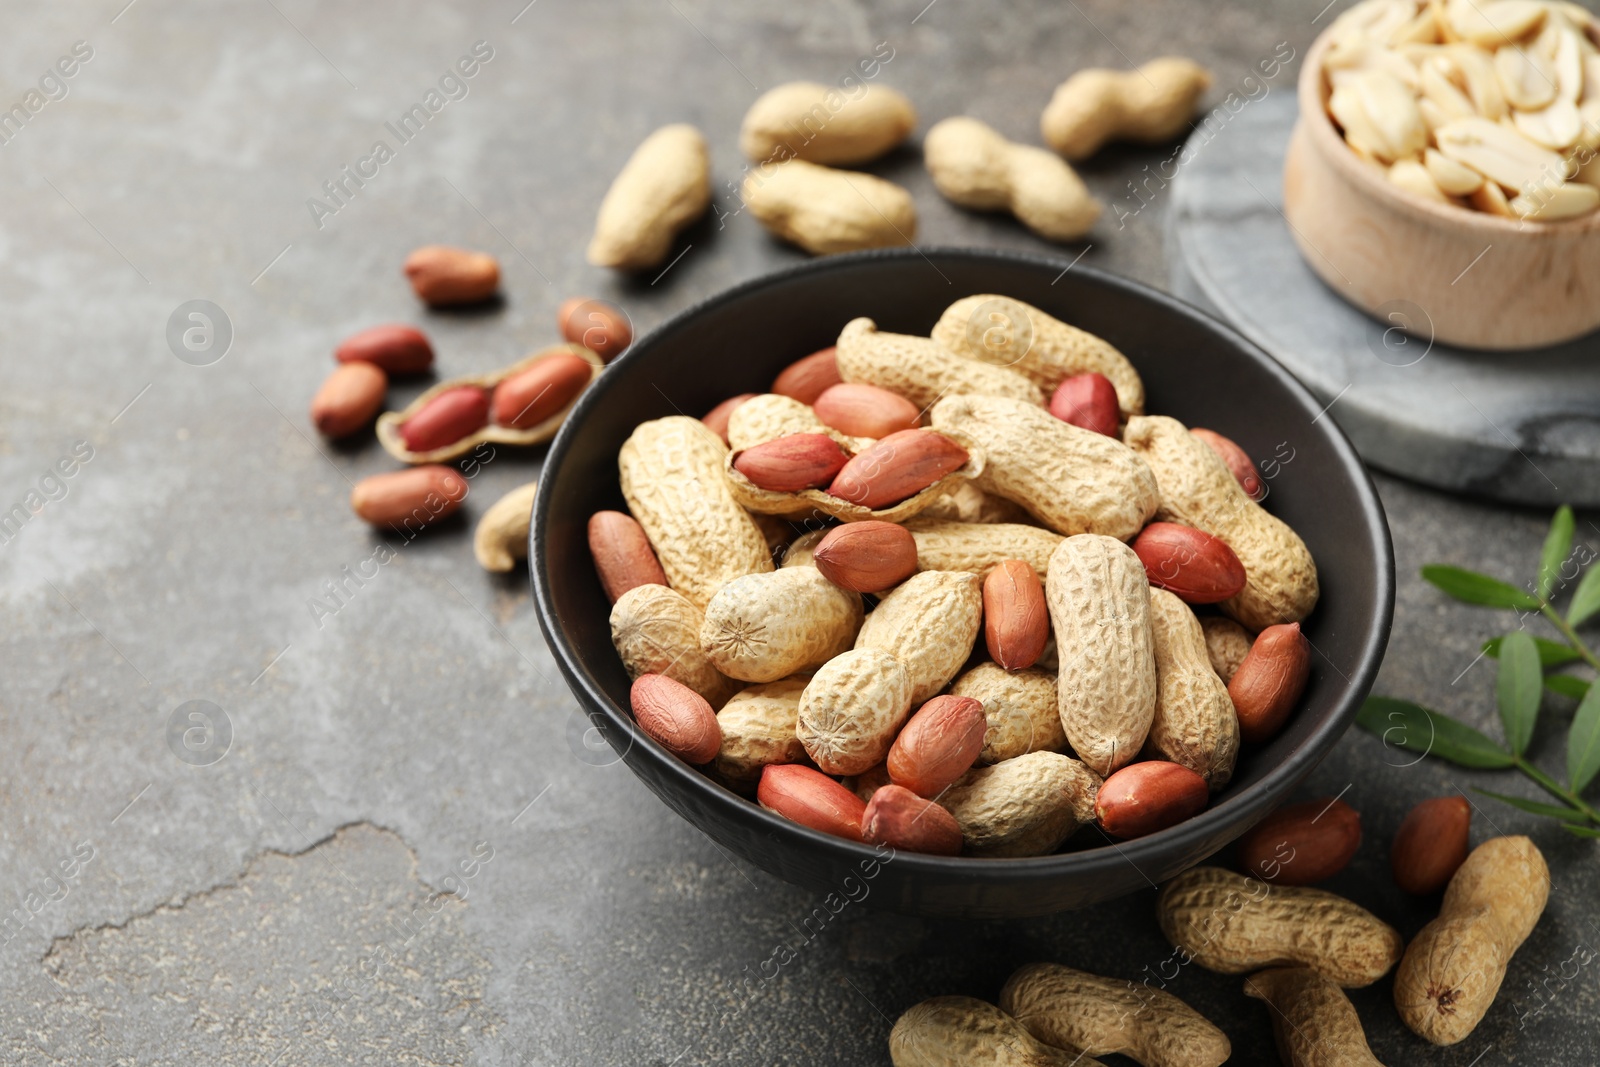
<point x="1528" y="666"/>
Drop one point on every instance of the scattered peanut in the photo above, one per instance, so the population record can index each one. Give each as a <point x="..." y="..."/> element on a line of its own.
<point x="1198" y="568"/>
<point x="976" y="167"/>
<point x="1151" y="104"/>
<point x="622" y="554"/>
<point x="532" y="396"/>
<point x="1231" y="924"/>
<point x="1067" y="1008"/>
<point x="409" y="499"/>
<point x="961" y="1031"/>
<point x="825" y="123"/>
<point x="393" y="349"/>
<point x="444" y="276"/>
<point x="600" y="327"/>
<point x="447" y="417"/>
<point x="1431" y="844"/>
<point x="501" y="537"/>
<point x="825" y="210"/>
<point x="1453" y="968"/>
<point x="1315" y="1023"/>
<point x="1301" y="844"/>
<point x="349" y="399"/>
<point x="664" y="186"/>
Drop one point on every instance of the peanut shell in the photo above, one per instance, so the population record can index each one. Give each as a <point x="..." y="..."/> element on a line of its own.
<point x="766" y="626"/>
<point x="1194" y="723"/>
<point x="900" y="626"/>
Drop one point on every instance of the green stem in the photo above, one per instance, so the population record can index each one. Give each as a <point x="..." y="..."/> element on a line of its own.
<point x="1555" y="789"/>
<point x="1570" y="634"/>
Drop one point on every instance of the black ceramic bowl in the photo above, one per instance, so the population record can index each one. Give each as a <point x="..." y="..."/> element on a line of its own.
<point x="1193" y="368"/>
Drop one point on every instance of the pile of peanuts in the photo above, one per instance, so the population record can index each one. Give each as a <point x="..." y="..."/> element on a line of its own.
<point x="523" y="404"/>
<point x="1493" y="106"/>
<point x="798" y="136"/>
<point x="998" y="478"/>
<point x="1301" y="947"/>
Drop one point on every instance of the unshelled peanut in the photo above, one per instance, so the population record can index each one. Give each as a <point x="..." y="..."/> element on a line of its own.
<point x="852" y="709"/>
<point x="1068" y="1008"/>
<point x="930" y="655"/>
<point x="962" y="1031"/>
<point x="1231" y="924"/>
<point x="501" y="536"/>
<point x="950" y="545"/>
<point x="1150" y="105"/>
<point x="825" y="210"/>
<point x="766" y="626"/>
<point x="1314" y="1022"/>
<point x="757" y="727"/>
<point x="1453" y="969"/>
<point x="1195" y="723"/>
<point x="1100" y="614"/>
<point x="976" y="167"/>
<point x="1024" y="806"/>
<point x="825" y="123"/>
<point x="1009" y="333"/>
<point x="656" y="630"/>
<point x="664" y="186"/>
<point x="672" y="477"/>
<point x="1019" y="709"/>
<point x="922" y="370"/>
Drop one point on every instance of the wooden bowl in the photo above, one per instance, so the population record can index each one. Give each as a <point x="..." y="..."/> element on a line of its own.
<point x="1436" y="270"/>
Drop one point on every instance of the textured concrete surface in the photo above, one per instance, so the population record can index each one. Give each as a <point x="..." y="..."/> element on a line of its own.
<point x="277" y="899"/>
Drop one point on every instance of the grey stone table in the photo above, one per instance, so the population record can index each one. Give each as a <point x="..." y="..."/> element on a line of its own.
<point x="403" y="856"/>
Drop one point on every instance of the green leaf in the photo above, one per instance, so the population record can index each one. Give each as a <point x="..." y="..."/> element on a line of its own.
<point x="1410" y="726"/>
<point x="1581" y="831"/>
<point x="1518" y="689"/>
<point x="1535" y="807"/>
<point x="1551" y="653"/>
<point x="1583" y="742"/>
<point x="1567" y="685"/>
<point x="1585" y="599"/>
<point x="1557" y="543"/>
<point x="1475" y="588"/>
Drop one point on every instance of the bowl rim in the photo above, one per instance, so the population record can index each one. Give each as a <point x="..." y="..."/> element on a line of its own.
<point x="1244" y="809"/>
<point x="1312" y="90"/>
